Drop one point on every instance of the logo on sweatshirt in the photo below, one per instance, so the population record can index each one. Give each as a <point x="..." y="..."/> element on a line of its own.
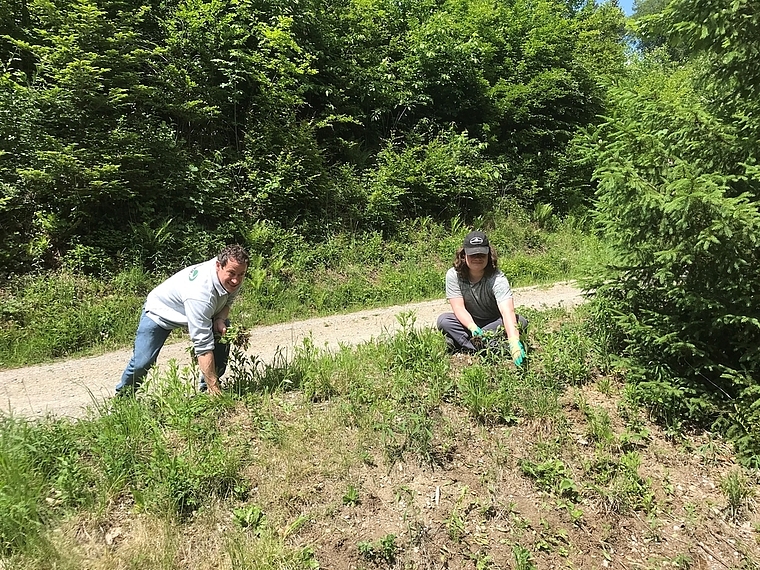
<point x="193" y="274"/>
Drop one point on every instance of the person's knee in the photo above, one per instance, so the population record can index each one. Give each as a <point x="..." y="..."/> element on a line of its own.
<point x="141" y="368"/>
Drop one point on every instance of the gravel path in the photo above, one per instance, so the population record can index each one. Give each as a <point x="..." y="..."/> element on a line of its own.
<point x="66" y="388"/>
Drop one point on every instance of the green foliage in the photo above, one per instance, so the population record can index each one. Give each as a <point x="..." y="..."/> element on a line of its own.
<point x="150" y="134"/>
<point x="440" y="178"/>
<point x="678" y="197"/>
<point x="649" y="37"/>
<point x="417" y="382"/>
<point x="523" y="558"/>
<point x="739" y="493"/>
<point x="619" y="484"/>
<point x="382" y="550"/>
<point x="566" y="352"/>
<point x="66" y="313"/>
<point x="486" y="402"/>
<point x="726" y="35"/>
<point x="351" y="496"/>
<point x="43" y="475"/>
<point x="250" y="517"/>
<point x="551" y="476"/>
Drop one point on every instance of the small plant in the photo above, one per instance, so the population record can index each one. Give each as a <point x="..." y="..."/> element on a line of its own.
<point x="621" y="486"/>
<point x="565" y="355"/>
<point x="654" y="528"/>
<point x="599" y="426"/>
<point x="250" y="517"/>
<point x="710" y="451"/>
<point x="455" y="523"/>
<point x="551" y="476"/>
<point x="382" y="550"/>
<point x="738" y="492"/>
<point x="523" y="558"/>
<point x="300" y="522"/>
<point x="543" y="216"/>
<point x="351" y="497"/>
<point x="483" y="561"/>
<point x="691" y="513"/>
<point x="575" y="513"/>
<point x="683" y="561"/>
<point x="366" y="458"/>
<point x="632" y="439"/>
<point x="604" y="385"/>
<point x="237" y="336"/>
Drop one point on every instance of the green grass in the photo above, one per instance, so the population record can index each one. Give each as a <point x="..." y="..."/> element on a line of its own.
<point x="383" y="454"/>
<point x="61" y="314"/>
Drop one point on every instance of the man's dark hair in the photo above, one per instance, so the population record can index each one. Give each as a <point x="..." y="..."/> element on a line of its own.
<point x="236" y="252"/>
<point x="460" y="263"/>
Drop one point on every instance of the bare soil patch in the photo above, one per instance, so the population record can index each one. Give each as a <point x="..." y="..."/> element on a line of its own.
<point x="478" y="509"/>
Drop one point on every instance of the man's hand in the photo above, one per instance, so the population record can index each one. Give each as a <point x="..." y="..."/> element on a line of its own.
<point x="213" y="387"/>
<point x="220" y="326"/>
<point x="208" y="367"/>
<point x="517" y="351"/>
<point x="477" y="331"/>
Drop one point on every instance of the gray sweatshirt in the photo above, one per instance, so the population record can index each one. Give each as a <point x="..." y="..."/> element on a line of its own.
<point x="190" y="299"/>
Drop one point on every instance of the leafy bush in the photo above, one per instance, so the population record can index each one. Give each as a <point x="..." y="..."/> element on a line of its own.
<point x="441" y="178"/>
<point x="64" y="313"/>
<point x="684" y="219"/>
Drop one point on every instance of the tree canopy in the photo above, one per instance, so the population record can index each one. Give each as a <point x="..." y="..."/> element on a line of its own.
<point x="130" y="128"/>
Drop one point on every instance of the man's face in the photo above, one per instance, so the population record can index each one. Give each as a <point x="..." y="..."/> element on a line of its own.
<point x="231" y="275"/>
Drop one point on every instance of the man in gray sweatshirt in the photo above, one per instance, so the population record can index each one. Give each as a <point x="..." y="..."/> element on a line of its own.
<point x="197" y="298"/>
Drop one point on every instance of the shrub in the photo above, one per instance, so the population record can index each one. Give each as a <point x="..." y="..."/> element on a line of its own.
<point x="441" y="178"/>
<point x="683" y="217"/>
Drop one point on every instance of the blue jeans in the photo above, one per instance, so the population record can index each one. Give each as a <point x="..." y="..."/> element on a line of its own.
<point x="149" y="341"/>
<point x="459" y="338"/>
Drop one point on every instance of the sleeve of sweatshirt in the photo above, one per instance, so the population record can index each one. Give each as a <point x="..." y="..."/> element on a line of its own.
<point x="199" y="325"/>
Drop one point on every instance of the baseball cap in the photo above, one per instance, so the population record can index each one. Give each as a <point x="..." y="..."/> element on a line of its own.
<point x="476" y="242"/>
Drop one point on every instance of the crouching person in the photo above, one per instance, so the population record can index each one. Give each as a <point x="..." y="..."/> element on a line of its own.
<point x="197" y="298"/>
<point x="481" y="300"/>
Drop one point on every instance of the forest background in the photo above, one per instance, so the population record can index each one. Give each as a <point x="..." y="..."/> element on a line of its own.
<point x="349" y="146"/>
<point x="139" y="137"/>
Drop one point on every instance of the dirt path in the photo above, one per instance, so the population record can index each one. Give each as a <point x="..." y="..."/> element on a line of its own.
<point x="65" y="388"/>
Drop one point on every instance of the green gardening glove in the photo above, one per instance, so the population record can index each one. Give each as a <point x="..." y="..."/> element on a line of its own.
<point x="477" y="331"/>
<point x="517" y="351"/>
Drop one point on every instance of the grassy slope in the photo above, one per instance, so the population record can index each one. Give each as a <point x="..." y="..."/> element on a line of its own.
<point x="390" y="455"/>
